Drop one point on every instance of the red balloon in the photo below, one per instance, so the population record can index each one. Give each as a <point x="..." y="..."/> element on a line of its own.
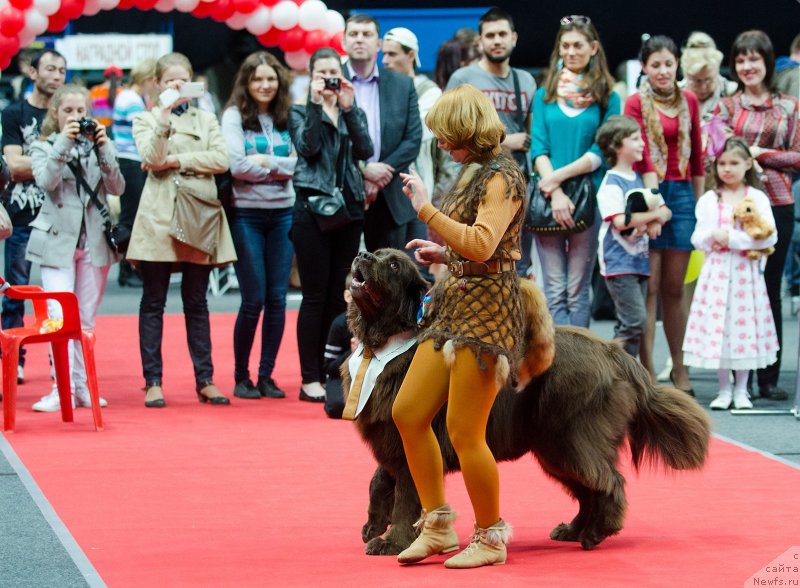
<point x="271" y="38"/>
<point x="316" y="39"/>
<point x="245" y="6"/>
<point x="12" y="21"/>
<point x="125" y="4"/>
<point x="223" y="10"/>
<point x="21" y="4"/>
<point x="5" y="60"/>
<point x="71" y="9"/>
<point x="203" y="10"/>
<point x="57" y="22"/>
<point x="293" y="39"/>
<point x="267" y="3"/>
<point x="8" y="47"/>
<point x="145" y="4"/>
<point x="336" y="42"/>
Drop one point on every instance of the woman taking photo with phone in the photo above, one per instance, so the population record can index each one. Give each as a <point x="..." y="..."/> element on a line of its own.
<point x="75" y="163"/>
<point x="181" y="148"/>
<point x="255" y="126"/>
<point x="330" y="134"/>
<point x="673" y="163"/>
<point x="575" y="99"/>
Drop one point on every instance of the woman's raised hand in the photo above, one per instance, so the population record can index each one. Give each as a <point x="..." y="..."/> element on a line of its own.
<point x="71" y="129"/>
<point x="415" y="189"/>
<point x="316" y="87"/>
<point x="346" y="94"/>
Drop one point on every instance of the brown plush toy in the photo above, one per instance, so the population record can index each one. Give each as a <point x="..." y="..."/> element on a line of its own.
<point x="746" y="214"/>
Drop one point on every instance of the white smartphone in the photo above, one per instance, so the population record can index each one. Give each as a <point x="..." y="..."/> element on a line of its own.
<point x="192" y="90"/>
<point x="168" y="97"/>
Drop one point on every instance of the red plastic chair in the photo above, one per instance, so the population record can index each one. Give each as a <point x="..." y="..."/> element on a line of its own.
<point x="12" y="339"/>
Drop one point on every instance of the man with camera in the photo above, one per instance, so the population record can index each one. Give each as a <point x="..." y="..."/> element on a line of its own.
<point x="390" y="103"/>
<point x="22" y="198"/>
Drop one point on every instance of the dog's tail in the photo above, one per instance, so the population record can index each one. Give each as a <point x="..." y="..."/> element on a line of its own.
<point x="539" y="334"/>
<point x="669" y="426"/>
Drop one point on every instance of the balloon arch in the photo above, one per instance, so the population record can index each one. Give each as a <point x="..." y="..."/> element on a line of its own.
<point x="298" y="27"/>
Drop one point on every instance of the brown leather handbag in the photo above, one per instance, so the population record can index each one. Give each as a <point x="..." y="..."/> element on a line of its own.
<point x="196" y="220"/>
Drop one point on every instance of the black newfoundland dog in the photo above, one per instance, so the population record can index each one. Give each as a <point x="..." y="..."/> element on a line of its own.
<point x="575" y="409"/>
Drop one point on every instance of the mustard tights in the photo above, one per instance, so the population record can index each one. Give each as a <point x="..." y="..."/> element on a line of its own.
<point x="469" y="393"/>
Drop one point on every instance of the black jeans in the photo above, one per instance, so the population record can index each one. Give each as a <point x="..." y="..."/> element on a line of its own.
<point x="773" y="274"/>
<point x="134" y="184"/>
<point x="323" y="261"/>
<point x="194" y="285"/>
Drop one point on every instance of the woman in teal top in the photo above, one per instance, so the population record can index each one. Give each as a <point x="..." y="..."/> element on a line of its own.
<point x="575" y="100"/>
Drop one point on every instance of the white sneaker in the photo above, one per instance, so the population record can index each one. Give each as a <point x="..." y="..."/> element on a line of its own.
<point x="51" y="403"/>
<point x="82" y="398"/>
<point x="20" y="375"/>
<point x="723" y="401"/>
<point x="740" y="400"/>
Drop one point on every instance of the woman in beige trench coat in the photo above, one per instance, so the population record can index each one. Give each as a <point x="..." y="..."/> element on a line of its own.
<point x="181" y="146"/>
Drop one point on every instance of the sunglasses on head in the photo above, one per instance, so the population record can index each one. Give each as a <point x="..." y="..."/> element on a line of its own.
<point x="575" y="19"/>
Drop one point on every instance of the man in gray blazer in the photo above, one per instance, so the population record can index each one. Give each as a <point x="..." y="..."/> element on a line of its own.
<point x="390" y="103"/>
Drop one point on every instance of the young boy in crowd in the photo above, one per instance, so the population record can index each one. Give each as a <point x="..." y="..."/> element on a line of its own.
<point x="623" y="246"/>
<point x="338" y="348"/>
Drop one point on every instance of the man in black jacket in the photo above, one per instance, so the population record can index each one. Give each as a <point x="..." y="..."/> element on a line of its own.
<point x="390" y="103"/>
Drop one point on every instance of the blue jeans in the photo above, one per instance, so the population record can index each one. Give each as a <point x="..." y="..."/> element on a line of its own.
<point x="567" y="263"/>
<point x="17" y="272"/>
<point x="261" y="237"/>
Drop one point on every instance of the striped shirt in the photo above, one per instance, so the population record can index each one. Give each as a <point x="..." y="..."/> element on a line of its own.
<point x="773" y="126"/>
<point x="127" y="104"/>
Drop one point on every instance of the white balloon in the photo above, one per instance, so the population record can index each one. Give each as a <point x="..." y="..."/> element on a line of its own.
<point x="26" y="38"/>
<point x="186" y="5"/>
<point x="35" y="22"/>
<point x="238" y="21"/>
<point x="91" y="7"/>
<point x="311" y="15"/>
<point x="285" y="15"/>
<point x="334" y="22"/>
<point x="108" y="4"/>
<point x="297" y="60"/>
<point x="47" y="7"/>
<point x="259" y="21"/>
<point x="164" y="6"/>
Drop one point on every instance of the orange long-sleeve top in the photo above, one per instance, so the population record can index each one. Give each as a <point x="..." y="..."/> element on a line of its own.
<point x="479" y="241"/>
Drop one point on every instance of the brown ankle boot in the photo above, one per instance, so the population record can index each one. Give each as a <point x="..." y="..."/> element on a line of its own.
<point x="437" y="536"/>
<point x="487" y="548"/>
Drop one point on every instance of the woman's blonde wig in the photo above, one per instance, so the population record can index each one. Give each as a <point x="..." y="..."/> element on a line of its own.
<point x="464" y="118"/>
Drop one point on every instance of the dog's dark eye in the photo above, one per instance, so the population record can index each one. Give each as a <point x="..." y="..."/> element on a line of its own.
<point x="394" y="266"/>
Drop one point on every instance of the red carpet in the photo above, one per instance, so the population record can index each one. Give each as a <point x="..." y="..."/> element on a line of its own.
<point x="273" y="493"/>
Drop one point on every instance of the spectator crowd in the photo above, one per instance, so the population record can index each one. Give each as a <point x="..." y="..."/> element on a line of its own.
<point x="636" y="182"/>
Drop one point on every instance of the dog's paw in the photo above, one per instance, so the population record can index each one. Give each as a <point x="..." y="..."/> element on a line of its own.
<point x="371" y="530"/>
<point x="564" y="532"/>
<point x="379" y="546"/>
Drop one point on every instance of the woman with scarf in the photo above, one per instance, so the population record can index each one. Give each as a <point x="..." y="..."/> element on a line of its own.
<point x="673" y="163"/>
<point x="767" y="121"/>
<point x="575" y="100"/>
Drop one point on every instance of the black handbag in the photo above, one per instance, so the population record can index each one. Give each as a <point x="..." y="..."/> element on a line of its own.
<point x="117" y="236"/>
<point x="330" y="210"/>
<point x="580" y="190"/>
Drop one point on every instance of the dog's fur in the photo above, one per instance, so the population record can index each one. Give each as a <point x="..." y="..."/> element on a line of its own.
<point x="574" y="417"/>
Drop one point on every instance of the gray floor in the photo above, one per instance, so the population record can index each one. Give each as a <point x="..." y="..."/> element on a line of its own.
<point x="37" y="550"/>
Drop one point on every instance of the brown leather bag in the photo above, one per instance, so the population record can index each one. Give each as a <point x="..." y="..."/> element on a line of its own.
<point x="196" y="221"/>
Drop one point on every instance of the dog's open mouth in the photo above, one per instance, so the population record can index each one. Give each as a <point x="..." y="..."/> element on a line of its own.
<point x="361" y="287"/>
<point x="359" y="280"/>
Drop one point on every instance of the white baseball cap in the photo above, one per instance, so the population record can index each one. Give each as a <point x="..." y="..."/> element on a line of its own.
<point x="406" y="38"/>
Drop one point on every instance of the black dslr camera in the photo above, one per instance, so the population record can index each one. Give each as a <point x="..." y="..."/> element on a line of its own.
<point x="333" y="84"/>
<point x="88" y="127"/>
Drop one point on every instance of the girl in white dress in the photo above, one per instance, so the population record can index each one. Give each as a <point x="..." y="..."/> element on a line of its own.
<point x="730" y="322"/>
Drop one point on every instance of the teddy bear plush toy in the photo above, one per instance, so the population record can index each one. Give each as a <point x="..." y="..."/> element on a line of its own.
<point x="746" y="214"/>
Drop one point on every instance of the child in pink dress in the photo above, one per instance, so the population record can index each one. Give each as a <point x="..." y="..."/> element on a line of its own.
<point x="730" y="322"/>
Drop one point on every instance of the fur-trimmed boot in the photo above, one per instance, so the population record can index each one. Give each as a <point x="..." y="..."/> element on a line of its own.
<point x="437" y="535"/>
<point x="487" y="548"/>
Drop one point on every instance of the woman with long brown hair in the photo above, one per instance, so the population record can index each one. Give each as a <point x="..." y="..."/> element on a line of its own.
<point x="673" y="163"/>
<point x="262" y="160"/>
<point x="575" y="100"/>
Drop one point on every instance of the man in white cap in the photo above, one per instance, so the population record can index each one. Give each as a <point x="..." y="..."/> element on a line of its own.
<point x="401" y="54"/>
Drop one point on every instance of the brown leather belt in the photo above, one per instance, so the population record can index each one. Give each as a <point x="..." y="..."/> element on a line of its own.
<point x="193" y="174"/>
<point x="479" y="268"/>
